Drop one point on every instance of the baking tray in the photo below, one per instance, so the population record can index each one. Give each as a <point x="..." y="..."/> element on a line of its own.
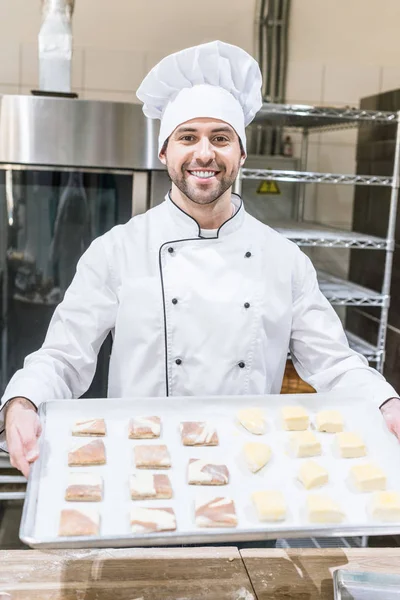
<point x="363" y="585"/>
<point x="48" y="478"/>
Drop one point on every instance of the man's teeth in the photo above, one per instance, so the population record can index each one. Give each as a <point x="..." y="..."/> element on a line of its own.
<point x="203" y="174"/>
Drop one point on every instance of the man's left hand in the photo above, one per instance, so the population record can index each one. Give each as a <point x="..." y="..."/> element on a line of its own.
<point x="391" y="413"/>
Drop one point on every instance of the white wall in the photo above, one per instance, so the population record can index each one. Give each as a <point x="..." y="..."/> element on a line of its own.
<point x="339" y="52"/>
<point x="117" y="41"/>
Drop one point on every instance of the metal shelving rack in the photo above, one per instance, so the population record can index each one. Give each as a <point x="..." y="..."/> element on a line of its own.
<point x="339" y="292"/>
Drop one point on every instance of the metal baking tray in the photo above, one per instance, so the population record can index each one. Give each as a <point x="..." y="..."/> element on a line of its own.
<point x="48" y="478"/>
<point x="362" y="585"/>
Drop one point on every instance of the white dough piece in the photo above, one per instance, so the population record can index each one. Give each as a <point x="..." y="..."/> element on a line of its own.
<point x="295" y="418"/>
<point x="216" y="512"/>
<point x="330" y="421"/>
<point x="79" y="521"/>
<point x="270" y="505"/>
<point x="206" y="472"/>
<point x="350" y="445"/>
<point x="253" y="420"/>
<point x="84" y="487"/>
<point x="322" y="509"/>
<point x="312" y="475"/>
<point x="368" y="477"/>
<point x="257" y="455"/>
<point x="305" y="443"/>
<point x="90" y="427"/>
<point x="148" y="520"/>
<point x="385" y="506"/>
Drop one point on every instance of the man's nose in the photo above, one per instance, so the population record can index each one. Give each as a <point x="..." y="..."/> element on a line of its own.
<point x="204" y="151"/>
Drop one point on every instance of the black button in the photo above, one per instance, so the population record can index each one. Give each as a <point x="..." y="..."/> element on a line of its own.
<point x="246" y="305"/>
<point x="178" y="361"/>
<point x="174" y="301"/>
<point x="242" y="365"/>
<point x="170" y="250"/>
<point x="248" y="254"/>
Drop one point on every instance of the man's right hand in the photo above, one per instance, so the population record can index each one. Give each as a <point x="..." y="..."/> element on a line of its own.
<point x="22" y="432"/>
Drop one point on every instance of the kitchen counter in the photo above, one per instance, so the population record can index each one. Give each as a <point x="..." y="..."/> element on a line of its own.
<point x="183" y="573"/>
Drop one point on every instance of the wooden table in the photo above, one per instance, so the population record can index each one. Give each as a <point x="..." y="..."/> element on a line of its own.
<point x="182" y="573"/>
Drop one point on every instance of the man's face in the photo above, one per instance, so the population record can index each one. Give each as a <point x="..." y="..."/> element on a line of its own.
<point x="203" y="157"/>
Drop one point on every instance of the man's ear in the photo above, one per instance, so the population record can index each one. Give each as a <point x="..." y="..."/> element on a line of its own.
<point x="162" y="157"/>
<point x="243" y="159"/>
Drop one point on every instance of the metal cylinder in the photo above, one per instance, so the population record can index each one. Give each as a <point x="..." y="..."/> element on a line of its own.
<point x="55" y="46"/>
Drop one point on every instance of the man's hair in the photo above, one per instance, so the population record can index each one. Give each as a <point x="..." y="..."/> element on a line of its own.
<point x="165" y="144"/>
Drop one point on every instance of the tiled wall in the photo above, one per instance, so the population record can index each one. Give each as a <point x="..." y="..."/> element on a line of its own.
<point x="117" y="41"/>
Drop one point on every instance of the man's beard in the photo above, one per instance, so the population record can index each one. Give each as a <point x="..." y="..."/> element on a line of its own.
<point x="196" y="194"/>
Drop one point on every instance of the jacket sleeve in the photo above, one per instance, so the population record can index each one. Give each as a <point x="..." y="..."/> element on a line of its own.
<point x="64" y="366"/>
<point x="319" y="347"/>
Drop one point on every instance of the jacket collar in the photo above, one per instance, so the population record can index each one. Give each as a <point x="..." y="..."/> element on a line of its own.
<point x="190" y="228"/>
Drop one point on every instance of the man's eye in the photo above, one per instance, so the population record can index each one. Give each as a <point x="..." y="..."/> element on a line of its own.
<point x="221" y="138"/>
<point x="187" y="138"/>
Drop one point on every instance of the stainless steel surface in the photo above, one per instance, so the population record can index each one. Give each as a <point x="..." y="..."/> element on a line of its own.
<point x="266" y="206"/>
<point x="391" y="232"/>
<point x="64" y="132"/>
<point x="12" y="479"/>
<point x="314" y="117"/>
<point x="364" y="585"/>
<point x="12" y="496"/>
<point x="385" y="446"/>
<point x="271" y="35"/>
<point x="310" y="177"/>
<point x="160" y="184"/>
<point x="303" y="167"/>
<point x="371" y="353"/>
<point x="311" y="234"/>
<point x="55" y="46"/>
<point x="341" y="292"/>
<point x="140" y="193"/>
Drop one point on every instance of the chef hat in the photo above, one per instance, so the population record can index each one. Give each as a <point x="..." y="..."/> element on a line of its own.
<point x="214" y="80"/>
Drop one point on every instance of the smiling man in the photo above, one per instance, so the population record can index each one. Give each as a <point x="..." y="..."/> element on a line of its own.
<point x="202" y="298"/>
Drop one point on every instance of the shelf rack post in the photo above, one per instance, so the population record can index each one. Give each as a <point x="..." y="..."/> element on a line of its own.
<point x="390" y="249"/>
<point x="303" y="167"/>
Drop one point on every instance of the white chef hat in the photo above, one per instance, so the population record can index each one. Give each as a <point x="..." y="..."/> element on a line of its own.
<point x="214" y="80"/>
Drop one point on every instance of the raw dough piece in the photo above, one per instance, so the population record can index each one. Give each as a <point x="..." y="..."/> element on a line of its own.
<point x="253" y="420"/>
<point x="295" y="418"/>
<point x="148" y="520"/>
<point x="305" y="443"/>
<point x="196" y="433"/>
<point x="79" y="521"/>
<point x="87" y="453"/>
<point x="203" y="472"/>
<point x="270" y="505"/>
<point x="312" y="475"/>
<point x="322" y="509"/>
<point x="385" y="506"/>
<point x="141" y="428"/>
<point x="368" y="478"/>
<point x="152" y="457"/>
<point x="89" y="427"/>
<point x="145" y="486"/>
<point x="257" y="455"/>
<point x="218" y="512"/>
<point x="330" y="421"/>
<point x="84" y="487"/>
<point x="350" y="445"/>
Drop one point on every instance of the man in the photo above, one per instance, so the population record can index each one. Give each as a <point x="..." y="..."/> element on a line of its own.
<point x="202" y="299"/>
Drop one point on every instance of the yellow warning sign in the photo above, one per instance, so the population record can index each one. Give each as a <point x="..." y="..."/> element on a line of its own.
<point x="268" y="187"/>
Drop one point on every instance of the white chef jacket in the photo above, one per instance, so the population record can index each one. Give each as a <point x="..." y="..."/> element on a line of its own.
<point x="192" y="316"/>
